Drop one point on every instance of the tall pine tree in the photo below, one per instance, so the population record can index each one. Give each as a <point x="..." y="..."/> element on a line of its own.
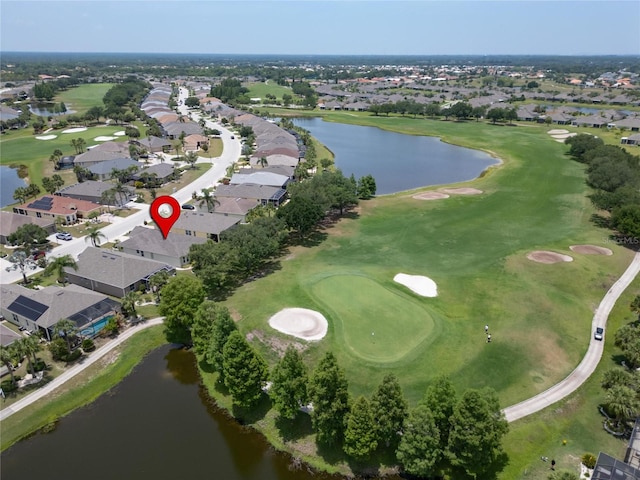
<point x="360" y="435"/>
<point x="477" y="428"/>
<point x="245" y="372"/>
<point x="419" y="451"/>
<point x="203" y="322"/>
<point x="222" y="328"/>
<point x="289" y="384"/>
<point x="390" y="410"/>
<point x="328" y="391"/>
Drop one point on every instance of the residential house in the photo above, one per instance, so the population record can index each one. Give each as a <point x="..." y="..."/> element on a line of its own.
<point x="7" y="337"/>
<point x="104" y="170"/>
<point x="195" y="142"/>
<point x="260" y="178"/>
<point x="149" y="243"/>
<point x="157" y="174"/>
<point x="264" y="194"/>
<point x="175" y="129"/>
<point x="631" y="140"/>
<point x="53" y="207"/>
<point x="154" y="144"/>
<point x="237" y="207"/>
<point x="102" y="152"/>
<point x="279" y="169"/>
<point x="40" y="310"/>
<point x="203" y="224"/>
<point x="10" y="222"/>
<point x="93" y="191"/>
<point x="594" y="121"/>
<point x="632" y="123"/>
<point x="114" y="273"/>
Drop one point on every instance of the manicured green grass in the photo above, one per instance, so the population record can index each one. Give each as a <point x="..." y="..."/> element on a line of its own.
<point x="475" y="249"/>
<point x="83" y="97"/>
<point x="261" y="89"/>
<point x="82" y="389"/>
<point x="380" y="332"/>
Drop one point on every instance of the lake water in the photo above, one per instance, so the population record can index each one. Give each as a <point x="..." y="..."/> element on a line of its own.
<point x="45" y="109"/>
<point x="9" y="181"/>
<point x="398" y="162"/>
<point x="158" y="423"/>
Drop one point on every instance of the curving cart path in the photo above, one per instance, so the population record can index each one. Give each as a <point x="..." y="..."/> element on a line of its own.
<point x="589" y="362"/>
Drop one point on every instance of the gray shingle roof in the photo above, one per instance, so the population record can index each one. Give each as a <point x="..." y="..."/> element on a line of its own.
<point x="211" y="223"/>
<point x="151" y="240"/>
<point x="114" y="268"/>
<point x="10" y="222"/>
<point x="104" y="168"/>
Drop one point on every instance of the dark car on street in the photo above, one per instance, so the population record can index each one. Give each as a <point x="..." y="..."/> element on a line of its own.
<point x="599" y="333"/>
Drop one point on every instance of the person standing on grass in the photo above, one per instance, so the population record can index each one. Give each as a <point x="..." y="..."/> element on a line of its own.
<point x="486" y="329"/>
<point x="488" y="338"/>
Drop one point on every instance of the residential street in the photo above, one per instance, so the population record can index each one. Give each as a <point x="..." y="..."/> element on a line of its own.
<point x="230" y="154"/>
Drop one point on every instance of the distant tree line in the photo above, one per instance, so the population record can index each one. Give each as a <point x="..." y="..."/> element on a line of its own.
<point x="458" y="110"/>
<point x="614" y="174"/>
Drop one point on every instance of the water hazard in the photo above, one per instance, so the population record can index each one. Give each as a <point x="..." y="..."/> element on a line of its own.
<point x="158" y="423"/>
<point x="397" y="161"/>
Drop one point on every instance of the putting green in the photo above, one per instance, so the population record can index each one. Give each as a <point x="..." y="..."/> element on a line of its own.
<point x="374" y="323"/>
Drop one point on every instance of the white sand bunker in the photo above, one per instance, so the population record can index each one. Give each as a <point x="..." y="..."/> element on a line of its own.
<point x="423" y="286"/>
<point x="462" y="191"/>
<point x="545" y="256"/>
<point x="104" y="138"/>
<point x="430" y="196"/>
<point x="75" y="130"/>
<point x="557" y="131"/>
<point x="564" y="135"/>
<point x="301" y="323"/>
<point x="590" y="250"/>
<point x="47" y="137"/>
<point x="121" y="133"/>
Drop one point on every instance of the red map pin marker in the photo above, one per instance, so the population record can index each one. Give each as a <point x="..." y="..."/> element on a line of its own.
<point x="165" y="210"/>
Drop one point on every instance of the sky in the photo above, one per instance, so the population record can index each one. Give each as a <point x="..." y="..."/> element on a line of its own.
<point x="338" y="27"/>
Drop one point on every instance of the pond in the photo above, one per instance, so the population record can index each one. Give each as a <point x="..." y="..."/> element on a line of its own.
<point x="47" y="109"/>
<point x="9" y="181"/>
<point x="397" y="161"/>
<point x="158" y="423"/>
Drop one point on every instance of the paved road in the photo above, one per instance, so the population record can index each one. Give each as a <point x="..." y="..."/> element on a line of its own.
<point x="589" y="362"/>
<point x="73" y="371"/>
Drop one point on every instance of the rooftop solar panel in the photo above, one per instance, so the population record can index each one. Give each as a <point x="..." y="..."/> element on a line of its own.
<point x="27" y="308"/>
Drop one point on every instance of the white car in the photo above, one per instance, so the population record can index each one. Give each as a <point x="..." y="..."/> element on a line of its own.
<point x="64" y="236"/>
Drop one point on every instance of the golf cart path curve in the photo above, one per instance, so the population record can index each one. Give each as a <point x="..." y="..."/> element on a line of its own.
<point x="73" y="371"/>
<point x="591" y="359"/>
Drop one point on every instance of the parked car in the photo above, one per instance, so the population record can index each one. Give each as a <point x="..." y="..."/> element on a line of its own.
<point x="64" y="236"/>
<point x="599" y="333"/>
<point x="38" y="254"/>
<point x="188" y="206"/>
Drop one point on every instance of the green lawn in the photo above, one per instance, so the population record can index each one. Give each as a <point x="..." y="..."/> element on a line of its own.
<point x="261" y="89"/>
<point x="83" y="97"/>
<point x="475" y="249"/>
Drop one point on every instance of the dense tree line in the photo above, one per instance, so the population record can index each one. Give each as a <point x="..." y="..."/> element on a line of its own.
<point x="614" y="174"/>
<point x="130" y="91"/>
<point x="229" y="90"/>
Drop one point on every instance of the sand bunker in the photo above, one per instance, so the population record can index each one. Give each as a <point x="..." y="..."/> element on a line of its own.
<point x="462" y="191"/>
<point x="590" y="250"/>
<point x="564" y="135"/>
<point x="430" y="196"/>
<point x="121" y="133"/>
<point x="47" y="137"/>
<point x="104" y="139"/>
<point x="301" y="323"/>
<point x="545" y="256"/>
<point x="75" y="130"/>
<point x="423" y="286"/>
<point x="557" y="131"/>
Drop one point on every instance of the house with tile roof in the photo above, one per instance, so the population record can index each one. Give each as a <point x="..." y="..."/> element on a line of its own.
<point x="51" y="207"/>
<point x="149" y="243"/>
<point x="114" y="273"/>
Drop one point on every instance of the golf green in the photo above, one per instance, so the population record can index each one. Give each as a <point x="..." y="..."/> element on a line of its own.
<point x="374" y="323"/>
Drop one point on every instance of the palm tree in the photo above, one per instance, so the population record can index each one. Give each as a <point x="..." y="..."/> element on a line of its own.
<point x="74" y="144"/>
<point x="7" y="356"/>
<point x="94" y="235"/>
<point x="263" y="162"/>
<point x="121" y="191"/>
<point x="208" y="199"/>
<point x="23" y="349"/>
<point x="622" y="403"/>
<point x="108" y="197"/>
<point x="66" y="329"/>
<point x="128" y="303"/>
<point x="33" y="346"/>
<point x="58" y="264"/>
<point x="81" y="144"/>
<point x="191" y="158"/>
